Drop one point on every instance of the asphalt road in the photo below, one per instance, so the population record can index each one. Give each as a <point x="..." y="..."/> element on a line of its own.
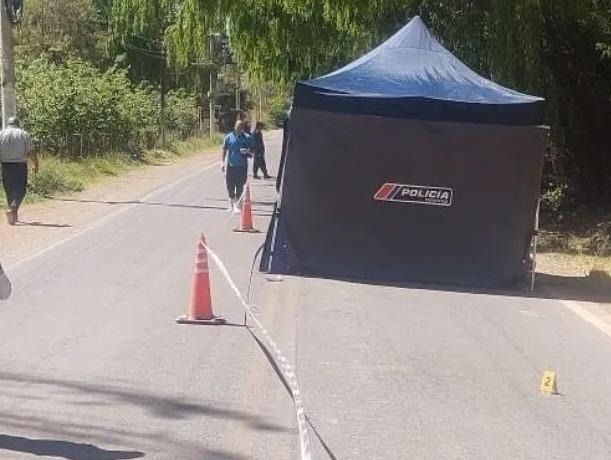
<point x="93" y="365"/>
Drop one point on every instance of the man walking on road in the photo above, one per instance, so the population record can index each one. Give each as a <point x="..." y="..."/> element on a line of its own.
<point x="237" y="148"/>
<point x="259" y="147"/>
<point x="16" y="147"/>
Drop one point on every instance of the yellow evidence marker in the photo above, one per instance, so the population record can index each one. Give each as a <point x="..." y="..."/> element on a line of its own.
<point x="549" y="383"/>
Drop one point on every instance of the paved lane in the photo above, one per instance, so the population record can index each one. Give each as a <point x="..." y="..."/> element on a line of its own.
<point x="94" y="367"/>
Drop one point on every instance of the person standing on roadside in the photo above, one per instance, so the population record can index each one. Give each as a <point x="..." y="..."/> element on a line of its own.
<point x="259" y="158"/>
<point x="237" y="147"/>
<point x="16" y="147"/>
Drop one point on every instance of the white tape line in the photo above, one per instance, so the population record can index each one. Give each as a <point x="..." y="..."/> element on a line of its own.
<point x="283" y="363"/>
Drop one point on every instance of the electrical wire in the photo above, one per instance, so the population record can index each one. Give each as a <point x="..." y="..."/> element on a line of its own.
<point x="252" y="272"/>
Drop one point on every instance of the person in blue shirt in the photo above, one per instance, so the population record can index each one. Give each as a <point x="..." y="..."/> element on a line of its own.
<point x="237" y="147"/>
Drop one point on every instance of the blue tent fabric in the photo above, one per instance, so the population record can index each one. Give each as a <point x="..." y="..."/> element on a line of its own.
<point x="412" y="75"/>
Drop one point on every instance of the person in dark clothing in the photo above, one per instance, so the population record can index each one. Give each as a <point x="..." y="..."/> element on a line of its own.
<point x="259" y="148"/>
<point x="237" y="148"/>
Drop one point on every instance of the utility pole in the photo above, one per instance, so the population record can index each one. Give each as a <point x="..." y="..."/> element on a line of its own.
<point x="211" y="92"/>
<point x="237" y="88"/>
<point x="7" y="74"/>
<point x="162" y="101"/>
<point x="260" y="102"/>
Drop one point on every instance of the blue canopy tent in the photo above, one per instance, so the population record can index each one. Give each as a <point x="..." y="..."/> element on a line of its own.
<point x="412" y="76"/>
<point x="407" y="165"/>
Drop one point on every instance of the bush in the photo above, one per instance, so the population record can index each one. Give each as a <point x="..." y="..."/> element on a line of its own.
<point x="61" y="101"/>
<point x="50" y="181"/>
<point x="278" y="109"/>
<point x="182" y="113"/>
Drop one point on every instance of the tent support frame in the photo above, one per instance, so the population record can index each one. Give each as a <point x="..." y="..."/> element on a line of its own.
<point x="533" y="249"/>
<point x="278" y="209"/>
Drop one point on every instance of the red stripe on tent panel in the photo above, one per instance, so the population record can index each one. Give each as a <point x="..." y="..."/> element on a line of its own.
<point x="385" y="192"/>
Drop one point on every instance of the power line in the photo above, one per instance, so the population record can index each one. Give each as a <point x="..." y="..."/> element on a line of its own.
<point x="159" y="55"/>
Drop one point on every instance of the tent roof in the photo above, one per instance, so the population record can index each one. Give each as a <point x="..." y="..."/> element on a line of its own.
<point x="413" y="64"/>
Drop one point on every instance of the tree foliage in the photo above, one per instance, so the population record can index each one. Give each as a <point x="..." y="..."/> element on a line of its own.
<point x="63" y="28"/>
<point x="559" y="49"/>
<point x="138" y="30"/>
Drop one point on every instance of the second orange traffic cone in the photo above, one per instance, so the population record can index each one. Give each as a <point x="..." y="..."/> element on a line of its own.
<point x="200" y="302"/>
<point x="246" y="225"/>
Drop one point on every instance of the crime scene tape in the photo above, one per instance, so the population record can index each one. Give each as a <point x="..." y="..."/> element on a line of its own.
<point x="281" y="361"/>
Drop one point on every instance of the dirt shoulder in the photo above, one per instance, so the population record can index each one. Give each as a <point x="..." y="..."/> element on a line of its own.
<point x="575" y="277"/>
<point x="55" y="219"/>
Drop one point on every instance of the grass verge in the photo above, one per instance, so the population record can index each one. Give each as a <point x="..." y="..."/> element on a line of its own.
<point x="579" y="245"/>
<point x="565" y="264"/>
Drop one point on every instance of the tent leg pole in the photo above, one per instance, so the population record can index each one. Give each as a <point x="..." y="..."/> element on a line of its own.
<point x="533" y="267"/>
<point x="278" y="207"/>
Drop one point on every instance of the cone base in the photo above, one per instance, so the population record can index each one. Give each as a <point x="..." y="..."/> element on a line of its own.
<point x="251" y="230"/>
<point x="214" y="321"/>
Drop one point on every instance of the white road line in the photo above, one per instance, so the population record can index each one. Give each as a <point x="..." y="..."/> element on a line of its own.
<point x="589" y="317"/>
<point x="103" y="220"/>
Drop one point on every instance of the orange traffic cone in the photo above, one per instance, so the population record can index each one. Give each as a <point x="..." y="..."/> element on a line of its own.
<point x="200" y="303"/>
<point x="246" y="225"/>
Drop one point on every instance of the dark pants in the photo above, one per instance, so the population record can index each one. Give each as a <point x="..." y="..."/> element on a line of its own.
<point x="259" y="163"/>
<point x="15" y="181"/>
<point x="235" y="178"/>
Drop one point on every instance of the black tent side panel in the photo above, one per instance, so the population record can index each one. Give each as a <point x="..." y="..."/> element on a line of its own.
<point x="276" y="239"/>
<point x="330" y="225"/>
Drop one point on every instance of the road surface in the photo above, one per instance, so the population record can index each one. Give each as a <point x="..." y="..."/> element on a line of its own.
<point x="94" y="366"/>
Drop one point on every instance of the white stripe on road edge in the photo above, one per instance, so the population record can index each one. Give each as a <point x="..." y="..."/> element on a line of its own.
<point x="283" y="363"/>
<point x="101" y="221"/>
<point x="588" y="317"/>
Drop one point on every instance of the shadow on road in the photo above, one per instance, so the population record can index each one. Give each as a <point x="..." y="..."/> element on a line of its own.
<point x="63" y="449"/>
<point x="161" y="406"/>
<point x="255" y="202"/>
<point x="42" y="224"/>
<point x="260" y="213"/>
<point x="594" y="288"/>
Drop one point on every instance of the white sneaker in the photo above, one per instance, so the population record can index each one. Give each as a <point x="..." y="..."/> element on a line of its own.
<point x="236" y="209"/>
<point x="231" y="205"/>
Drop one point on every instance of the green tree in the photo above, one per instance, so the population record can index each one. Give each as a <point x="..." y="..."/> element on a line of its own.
<point x="63" y="28"/>
<point x="559" y="49"/>
<point x="138" y="28"/>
